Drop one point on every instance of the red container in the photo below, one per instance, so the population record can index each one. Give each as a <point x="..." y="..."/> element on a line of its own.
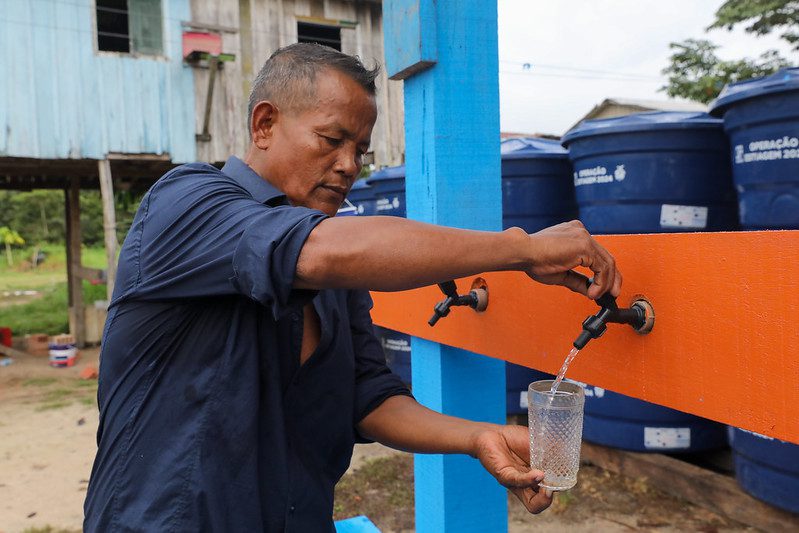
<point x="194" y="41"/>
<point x="5" y="337"/>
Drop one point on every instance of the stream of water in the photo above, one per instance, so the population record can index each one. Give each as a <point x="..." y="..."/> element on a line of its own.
<point x="569" y="358"/>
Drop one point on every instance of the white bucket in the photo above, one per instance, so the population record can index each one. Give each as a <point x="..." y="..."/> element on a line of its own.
<point x="63" y="357"/>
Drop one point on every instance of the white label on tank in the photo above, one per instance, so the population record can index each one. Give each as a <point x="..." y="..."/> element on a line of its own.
<point x="683" y="216"/>
<point x="667" y="438"/>
<point x="387" y="204"/>
<point x="523" y="399"/>
<point x="397" y="345"/>
<point x="759" y="150"/>
<point x="598" y="174"/>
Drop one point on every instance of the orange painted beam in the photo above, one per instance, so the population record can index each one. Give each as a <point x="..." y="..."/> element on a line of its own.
<point x="725" y="344"/>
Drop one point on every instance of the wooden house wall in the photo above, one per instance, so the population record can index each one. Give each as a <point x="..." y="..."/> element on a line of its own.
<point x="263" y="26"/>
<point x="62" y="99"/>
<point x="227" y="124"/>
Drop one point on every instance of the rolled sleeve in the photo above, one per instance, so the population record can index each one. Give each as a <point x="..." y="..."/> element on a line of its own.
<point x="199" y="234"/>
<point x="265" y="259"/>
<point x="374" y="381"/>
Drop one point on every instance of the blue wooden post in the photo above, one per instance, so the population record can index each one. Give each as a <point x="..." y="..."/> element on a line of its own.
<point x="446" y="51"/>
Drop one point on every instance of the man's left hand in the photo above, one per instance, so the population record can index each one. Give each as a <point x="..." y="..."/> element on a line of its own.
<point x="505" y="453"/>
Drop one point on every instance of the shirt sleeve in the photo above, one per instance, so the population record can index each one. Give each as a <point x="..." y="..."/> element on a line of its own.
<point x="201" y="235"/>
<point x="374" y="381"/>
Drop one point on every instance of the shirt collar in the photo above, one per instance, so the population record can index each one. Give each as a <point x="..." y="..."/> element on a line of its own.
<point x="258" y="187"/>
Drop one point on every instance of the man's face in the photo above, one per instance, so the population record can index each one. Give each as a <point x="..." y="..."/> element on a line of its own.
<point x="314" y="154"/>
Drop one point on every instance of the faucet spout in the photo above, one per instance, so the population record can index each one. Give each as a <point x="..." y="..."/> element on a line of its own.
<point x="640" y="315"/>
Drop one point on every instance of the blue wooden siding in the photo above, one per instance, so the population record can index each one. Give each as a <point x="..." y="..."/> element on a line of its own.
<point x="61" y="99"/>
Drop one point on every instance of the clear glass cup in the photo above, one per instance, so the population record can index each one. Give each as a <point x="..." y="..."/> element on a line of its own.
<point x="556" y="430"/>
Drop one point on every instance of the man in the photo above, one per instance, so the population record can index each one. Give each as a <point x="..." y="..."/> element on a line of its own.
<point x="239" y="364"/>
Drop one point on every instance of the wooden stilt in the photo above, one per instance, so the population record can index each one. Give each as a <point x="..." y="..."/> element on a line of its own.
<point x="109" y="222"/>
<point x="77" y="320"/>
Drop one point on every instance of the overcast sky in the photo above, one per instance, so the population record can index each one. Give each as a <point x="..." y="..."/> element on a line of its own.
<point x="559" y="58"/>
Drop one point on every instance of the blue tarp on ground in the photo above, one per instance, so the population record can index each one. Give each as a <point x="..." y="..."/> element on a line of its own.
<point x="357" y="524"/>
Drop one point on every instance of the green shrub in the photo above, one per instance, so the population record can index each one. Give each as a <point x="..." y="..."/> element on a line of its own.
<point x="48" y="314"/>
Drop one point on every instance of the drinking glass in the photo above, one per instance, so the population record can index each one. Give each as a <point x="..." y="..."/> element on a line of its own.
<point x="556" y="430"/>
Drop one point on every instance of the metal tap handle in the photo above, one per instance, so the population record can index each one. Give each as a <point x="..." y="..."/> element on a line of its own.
<point x="449" y="288"/>
<point x="606" y="301"/>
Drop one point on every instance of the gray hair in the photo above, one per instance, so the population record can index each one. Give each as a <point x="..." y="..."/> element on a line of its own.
<point x="287" y="78"/>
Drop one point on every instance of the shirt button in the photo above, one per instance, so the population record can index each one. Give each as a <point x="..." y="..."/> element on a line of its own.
<point x="295" y="318"/>
<point x="291" y="509"/>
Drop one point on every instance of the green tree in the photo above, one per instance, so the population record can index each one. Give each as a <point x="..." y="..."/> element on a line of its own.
<point x="91" y="218"/>
<point x="10" y="238"/>
<point x="39" y="215"/>
<point x="127" y="203"/>
<point x="763" y="16"/>
<point x="6" y="208"/>
<point x="697" y="73"/>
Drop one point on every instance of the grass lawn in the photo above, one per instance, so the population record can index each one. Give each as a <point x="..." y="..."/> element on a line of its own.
<point x="381" y="489"/>
<point x="21" y="276"/>
<point x="52" y="393"/>
<point x="48" y="313"/>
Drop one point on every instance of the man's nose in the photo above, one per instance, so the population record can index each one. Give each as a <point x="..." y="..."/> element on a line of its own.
<point x="348" y="163"/>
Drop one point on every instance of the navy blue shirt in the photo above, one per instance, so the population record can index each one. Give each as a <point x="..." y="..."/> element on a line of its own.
<point x="207" y="420"/>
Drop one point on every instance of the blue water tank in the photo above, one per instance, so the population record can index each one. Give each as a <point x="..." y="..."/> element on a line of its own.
<point x="388" y="190"/>
<point x="619" y="421"/>
<point x="537" y="190"/>
<point x="388" y="185"/>
<point x="650" y="173"/>
<point x="653" y="172"/>
<point x="397" y="347"/>
<point x="766" y="468"/>
<point x="761" y="117"/>
<point x="360" y="200"/>
<point x="536" y="193"/>
<point x="348" y="208"/>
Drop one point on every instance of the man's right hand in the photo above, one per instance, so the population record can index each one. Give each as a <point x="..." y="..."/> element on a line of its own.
<point x="555" y="251"/>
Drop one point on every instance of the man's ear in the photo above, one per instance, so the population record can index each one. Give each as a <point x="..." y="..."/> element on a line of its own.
<point x="264" y="117"/>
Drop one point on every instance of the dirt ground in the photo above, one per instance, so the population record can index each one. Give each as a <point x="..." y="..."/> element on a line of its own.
<point x="48" y="420"/>
<point x="48" y="424"/>
<point x="382" y="489"/>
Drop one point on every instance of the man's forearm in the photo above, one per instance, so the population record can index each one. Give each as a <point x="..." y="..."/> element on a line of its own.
<point x="402" y="423"/>
<point x="391" y="253"/>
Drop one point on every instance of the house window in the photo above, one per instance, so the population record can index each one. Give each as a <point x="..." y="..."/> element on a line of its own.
<point x="308" y="32"/>
<point x="130" y="26"/>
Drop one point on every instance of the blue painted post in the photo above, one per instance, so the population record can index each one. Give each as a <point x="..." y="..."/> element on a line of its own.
<point x="446" y="51"/>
